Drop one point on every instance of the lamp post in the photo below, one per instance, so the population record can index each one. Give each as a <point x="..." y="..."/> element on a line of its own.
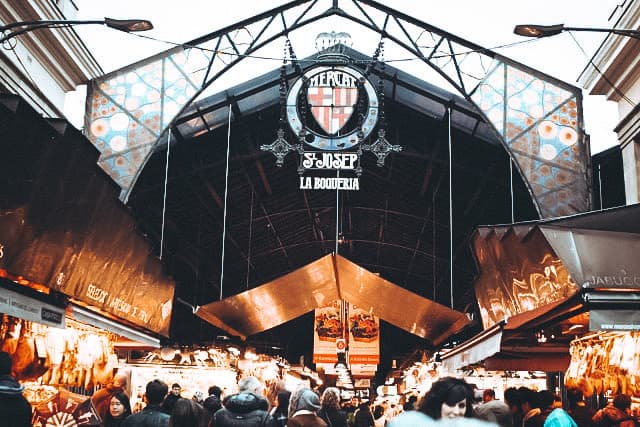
<point x="10" y="31"/>
<point x="538" y="31"/>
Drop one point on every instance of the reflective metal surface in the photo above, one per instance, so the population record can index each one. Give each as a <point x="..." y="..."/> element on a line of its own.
<point x="396" y="305"/>
<point x="321" y="282"/>
<point x="519" y="272"/>
<point x="275" y="302"/>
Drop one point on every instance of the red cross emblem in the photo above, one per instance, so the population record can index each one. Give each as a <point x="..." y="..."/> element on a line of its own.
<point x="332" y="106"/>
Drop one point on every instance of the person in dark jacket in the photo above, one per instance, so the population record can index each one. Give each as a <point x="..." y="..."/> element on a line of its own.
<point x="578" y="408"/>
<point x="544" y="400"/>
<point x="119" y="410"/>
<point x="212" y="404"/>
<point x="247" y="408"/>
<point x="171" y="398"/>
<point x="281" y="412"/>
<point x="616" y="413"/>
<point x="363" y="416"/>
<point x="187" y="413"/>
<point x="304" y="405"/>
<point x="330" y="408"/>
<point x="15" y="410"/>
<point x="151" y="415"/>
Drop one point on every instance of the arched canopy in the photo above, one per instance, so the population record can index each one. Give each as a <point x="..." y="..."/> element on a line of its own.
<point x="538" y="118"/>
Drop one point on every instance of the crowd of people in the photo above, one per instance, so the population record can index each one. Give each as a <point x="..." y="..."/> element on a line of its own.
<point x="450" y="401"/>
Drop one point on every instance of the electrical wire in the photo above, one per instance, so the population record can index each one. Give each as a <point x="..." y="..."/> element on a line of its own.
<point x="224" y="213"/>
<point x="164" y="195"/>
<point x="606" y="79"/>
<point x="316" y="61"/>
<point x="450" y="205"/>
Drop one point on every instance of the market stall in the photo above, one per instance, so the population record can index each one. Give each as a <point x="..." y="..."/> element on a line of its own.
<point x="560" y="296"/>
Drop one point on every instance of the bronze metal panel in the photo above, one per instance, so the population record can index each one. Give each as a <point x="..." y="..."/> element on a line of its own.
<point x="275" y="302"/>
<point x="401" y="308"/>
<point x="519" y="272"/>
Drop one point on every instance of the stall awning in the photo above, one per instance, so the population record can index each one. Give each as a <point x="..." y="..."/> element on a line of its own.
<point x="508" y="345"/>
<point x="599" y="248"/>
<point x="325" y="280"/>
<point x="91" y="318"/>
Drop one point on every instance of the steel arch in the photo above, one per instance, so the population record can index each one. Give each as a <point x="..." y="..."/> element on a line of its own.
<point x="538" y="118"/>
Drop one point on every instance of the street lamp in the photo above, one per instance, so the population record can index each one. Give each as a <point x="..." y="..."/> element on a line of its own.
<point x="539" y="31"/>
<point x="10" y="31"/>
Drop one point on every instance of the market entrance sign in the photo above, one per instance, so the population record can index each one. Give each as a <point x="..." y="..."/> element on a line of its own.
<point x="331" y="110"/>
<point x="321" y="106"/>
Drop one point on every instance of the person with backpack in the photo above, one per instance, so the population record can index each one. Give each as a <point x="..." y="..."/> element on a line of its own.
<point x="616" y="414"/>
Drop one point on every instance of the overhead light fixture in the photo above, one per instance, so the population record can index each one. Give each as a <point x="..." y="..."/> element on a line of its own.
<point x="14" y="29"/>
<point x="538" y="31"/>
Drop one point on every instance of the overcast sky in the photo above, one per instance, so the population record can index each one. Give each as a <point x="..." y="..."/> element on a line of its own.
<point x="488" y="23"/>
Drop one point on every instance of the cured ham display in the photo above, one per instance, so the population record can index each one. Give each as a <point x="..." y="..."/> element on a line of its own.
<point x="607" y="362"/>
<point x="76" y="356"/>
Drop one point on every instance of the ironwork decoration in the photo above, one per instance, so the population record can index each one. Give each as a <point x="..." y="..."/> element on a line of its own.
<point x="279" y="148"/>
<point x="381" y="147"/>
<point x="130" y="110"/>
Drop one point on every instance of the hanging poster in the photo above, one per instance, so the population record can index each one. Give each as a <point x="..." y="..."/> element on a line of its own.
<point x="364" y="337"/>
<point x="327" y="328"/>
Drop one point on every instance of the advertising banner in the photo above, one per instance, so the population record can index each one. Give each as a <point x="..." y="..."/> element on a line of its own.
<point x="364" y="337"/>
<point x="327" y="328"/>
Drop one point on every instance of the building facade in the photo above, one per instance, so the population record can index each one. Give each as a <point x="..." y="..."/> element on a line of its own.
<point x="42" y="66"/>
<point x="614" y="71"/>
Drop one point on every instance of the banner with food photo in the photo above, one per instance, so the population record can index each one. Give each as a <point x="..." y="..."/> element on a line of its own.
<point x="327" y="328"/>
<point x="364" y="336"/>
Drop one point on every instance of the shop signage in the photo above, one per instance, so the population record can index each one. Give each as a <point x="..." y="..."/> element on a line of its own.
<point x="328" y="329"/>
<point x="323" y="106"/>
<point x="614" y="320"/>
<point x="24" y="307"/>
<point x="332" y="110"/>
<point x="621" y="280"/>
<point x="364" y="336"/>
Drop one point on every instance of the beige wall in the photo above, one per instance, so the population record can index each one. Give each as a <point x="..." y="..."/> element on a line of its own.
<point x="43" y="65"/>
<point x="619" y="61"/>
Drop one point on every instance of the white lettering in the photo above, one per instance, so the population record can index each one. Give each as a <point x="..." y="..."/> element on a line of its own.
<point x="120" y="305"/>
<point x="333" y="78"/>
<point x="336" y="183"/>
<point x="305" y="183"/>
<point x="96" y="294"/>
<point x="334" y="161"/>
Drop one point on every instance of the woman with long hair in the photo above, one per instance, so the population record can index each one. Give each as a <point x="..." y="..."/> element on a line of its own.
<point x="448" y="398"/>
<point x="187" y="413"/>
<point x="119" y="409"/>
<point x="330" y="408"/>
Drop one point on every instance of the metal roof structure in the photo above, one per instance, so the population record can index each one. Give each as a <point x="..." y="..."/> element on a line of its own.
<point x="395" y="226"/>
<point x="164" y="132"/>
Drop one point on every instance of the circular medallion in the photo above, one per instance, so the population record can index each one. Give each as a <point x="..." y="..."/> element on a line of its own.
<point x="328" y="97"/>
